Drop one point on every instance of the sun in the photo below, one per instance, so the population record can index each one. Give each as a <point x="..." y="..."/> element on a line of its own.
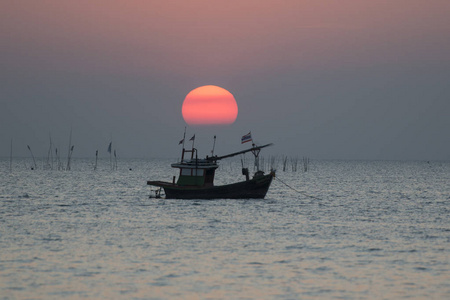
<point x="209" y="105"/>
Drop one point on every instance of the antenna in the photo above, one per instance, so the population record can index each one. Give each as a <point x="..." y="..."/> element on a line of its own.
<point x="214" y="145"/>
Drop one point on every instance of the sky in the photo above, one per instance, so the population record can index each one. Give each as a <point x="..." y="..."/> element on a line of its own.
<point x="329" y="79"/>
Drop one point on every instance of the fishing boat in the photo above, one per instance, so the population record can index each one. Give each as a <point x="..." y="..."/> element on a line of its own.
<point x="196" y="179"/>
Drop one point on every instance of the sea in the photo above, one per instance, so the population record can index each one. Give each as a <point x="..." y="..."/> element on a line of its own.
<point x="339" y="230"/>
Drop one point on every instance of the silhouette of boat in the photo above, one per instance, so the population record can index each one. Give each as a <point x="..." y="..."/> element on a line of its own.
<point x="196" y="179"/>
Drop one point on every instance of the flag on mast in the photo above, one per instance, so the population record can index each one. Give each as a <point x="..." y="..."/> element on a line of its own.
<point x="246" y="138"/>
<point x="181" y="142"/>
<point x="192" y="138"/>
<point x="109" y="147"/>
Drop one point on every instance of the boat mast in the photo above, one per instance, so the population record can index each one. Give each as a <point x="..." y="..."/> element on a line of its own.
<point x="193" y="149"/>
<point x="255" y="151"/>
<point x="182" y="142"/>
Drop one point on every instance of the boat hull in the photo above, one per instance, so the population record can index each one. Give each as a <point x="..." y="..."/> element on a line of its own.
<point x="255" y="188"/>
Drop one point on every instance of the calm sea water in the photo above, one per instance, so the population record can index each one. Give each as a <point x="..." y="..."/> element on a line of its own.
<point x="371" y="230"/>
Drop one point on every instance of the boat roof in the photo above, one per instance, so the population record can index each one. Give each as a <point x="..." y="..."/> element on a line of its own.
<point x="196" y="164"/>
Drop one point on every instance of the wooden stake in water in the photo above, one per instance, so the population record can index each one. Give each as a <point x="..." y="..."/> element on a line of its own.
<point x="34" y="161"/>
<point x="58" y="160"/>
<point x="109" y="150"/>
<point x="70" y="157"/>
<point x="115" y="160"/>
<point x="50" y="155"/>
<point x="96" y="157"/>
<point x="10" y="159"/>
<point x="70" y="149"/>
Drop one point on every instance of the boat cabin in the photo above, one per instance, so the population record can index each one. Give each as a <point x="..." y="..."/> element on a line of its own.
<point x="195" y="172"/>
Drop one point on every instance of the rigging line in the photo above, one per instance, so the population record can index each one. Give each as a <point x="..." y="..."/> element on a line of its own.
<point x="300" y="192"/>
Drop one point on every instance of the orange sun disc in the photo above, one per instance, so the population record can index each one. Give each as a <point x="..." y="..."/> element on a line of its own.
<point x="208" y="105"/>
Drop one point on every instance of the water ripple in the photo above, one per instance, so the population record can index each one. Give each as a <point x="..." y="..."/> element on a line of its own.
<point x="380" y="230"/>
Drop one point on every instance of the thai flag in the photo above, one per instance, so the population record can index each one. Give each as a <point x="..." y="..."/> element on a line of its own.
<point x="246" y="138"/>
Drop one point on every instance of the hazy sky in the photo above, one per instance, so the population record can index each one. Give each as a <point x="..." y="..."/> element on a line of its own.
<point x="345" y="79"/>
